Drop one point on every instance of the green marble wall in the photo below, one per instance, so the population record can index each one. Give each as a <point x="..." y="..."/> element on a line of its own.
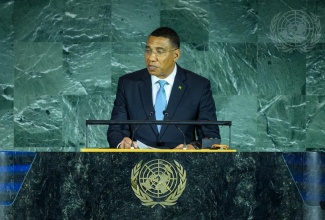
<point x="60" y="61"/>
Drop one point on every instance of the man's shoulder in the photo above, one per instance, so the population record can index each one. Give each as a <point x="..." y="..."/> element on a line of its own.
<point x="190" y="75"/>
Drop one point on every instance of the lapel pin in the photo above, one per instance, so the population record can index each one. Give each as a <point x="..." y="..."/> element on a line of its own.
<point x="179" y="87"/>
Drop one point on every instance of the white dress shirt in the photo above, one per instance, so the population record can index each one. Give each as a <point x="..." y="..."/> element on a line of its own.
<point x="168" y="87"/>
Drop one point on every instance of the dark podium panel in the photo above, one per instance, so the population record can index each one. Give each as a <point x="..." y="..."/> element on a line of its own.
<point x="167" y="185"/>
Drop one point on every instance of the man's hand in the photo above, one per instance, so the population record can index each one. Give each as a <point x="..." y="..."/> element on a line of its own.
<point x="188" y="147"/>
<point x="126" y="144"/>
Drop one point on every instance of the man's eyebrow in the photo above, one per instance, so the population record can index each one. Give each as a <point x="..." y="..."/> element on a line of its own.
<point x="160" y="48"/>
<point x="157" y="48"/>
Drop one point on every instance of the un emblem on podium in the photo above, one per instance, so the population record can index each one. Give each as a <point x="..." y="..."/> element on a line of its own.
<point x="158" y="182"/>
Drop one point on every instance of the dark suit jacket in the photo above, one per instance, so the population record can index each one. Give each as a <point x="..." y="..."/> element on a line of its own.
<point x="190" y="99"/>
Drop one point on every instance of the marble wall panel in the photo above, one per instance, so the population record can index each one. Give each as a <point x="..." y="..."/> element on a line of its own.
<point x="6" y="63"/>
<point x="315" y="70"/>
<point x="315" y="126"/>
<point x="76" y="110"/>
<point x="6" y="118"/>
<point x="280" y="73"/>
<point x="87" y="21"/>
<point x="6" y="23"/>
<point x="318" y="8"/>
<point x="6" y="96"/>
<point x="188" y="18"/>
<point x="231" y="68"/>
<point x="38" y="21"/>
<point x="126" y="58"/>
<point x="242" y="111"/>
<point x="38" y="71"/>
<point x="236" y="25"/>
<point x="132" y="21"/>
<point x="281" y="123"/>
<point x="38" y="124"/>
<point x="39" y="79"/>
<point x="88" y="68"/>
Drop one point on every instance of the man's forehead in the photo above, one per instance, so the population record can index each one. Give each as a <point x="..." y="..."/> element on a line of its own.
<point x="157" y="42"/>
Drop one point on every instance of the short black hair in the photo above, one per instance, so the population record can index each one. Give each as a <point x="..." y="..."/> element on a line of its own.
<point x="167" y="33"/>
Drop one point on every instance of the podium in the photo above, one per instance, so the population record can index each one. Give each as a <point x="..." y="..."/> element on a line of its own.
<point x="143" y="184"/>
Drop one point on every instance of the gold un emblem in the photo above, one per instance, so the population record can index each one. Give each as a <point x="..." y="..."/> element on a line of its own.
<point x="158" y="182"/>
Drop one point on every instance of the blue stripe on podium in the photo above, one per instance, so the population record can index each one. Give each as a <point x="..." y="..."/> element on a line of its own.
<point x="10" y="187"/>
<point x="14" y="167"/>
<point x="308" y="173"/>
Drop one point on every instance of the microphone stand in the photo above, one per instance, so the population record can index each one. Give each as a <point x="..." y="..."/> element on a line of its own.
<point x="132" y="145"/>
<point x="184" y="144"/>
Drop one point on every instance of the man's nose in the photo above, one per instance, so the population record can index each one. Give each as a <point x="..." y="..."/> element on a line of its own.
<point x="152" y="56"/>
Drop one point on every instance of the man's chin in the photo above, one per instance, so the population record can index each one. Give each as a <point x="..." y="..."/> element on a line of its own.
<point x="152" y="72"/>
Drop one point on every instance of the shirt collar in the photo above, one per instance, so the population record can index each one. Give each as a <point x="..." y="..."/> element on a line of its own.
<point x="170" y="79"/>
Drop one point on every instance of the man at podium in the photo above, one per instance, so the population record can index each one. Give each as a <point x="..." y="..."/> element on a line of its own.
<point x="162" y="91"/>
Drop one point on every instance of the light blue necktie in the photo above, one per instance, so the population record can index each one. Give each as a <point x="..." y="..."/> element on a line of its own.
<point x="161" y="102"/>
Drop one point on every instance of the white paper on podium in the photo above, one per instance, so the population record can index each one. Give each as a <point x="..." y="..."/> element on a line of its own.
<point x="144" y="146"/>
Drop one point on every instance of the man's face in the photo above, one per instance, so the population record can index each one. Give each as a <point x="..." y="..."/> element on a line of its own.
<point x="160" y="56"/>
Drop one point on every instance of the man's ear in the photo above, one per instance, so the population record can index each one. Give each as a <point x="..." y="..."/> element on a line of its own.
<point x="177" y="54"/>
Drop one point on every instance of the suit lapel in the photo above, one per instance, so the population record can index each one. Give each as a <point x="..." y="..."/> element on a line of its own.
<point x="178" y="90"/>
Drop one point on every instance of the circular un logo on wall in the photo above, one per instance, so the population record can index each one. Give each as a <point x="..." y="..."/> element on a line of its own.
<point x="295" y="30"/>
<point x="158" y="182"/>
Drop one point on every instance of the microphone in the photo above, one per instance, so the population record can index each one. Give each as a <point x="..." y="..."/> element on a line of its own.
<point x="184" y="144"/>
<point x="150" y="114"/>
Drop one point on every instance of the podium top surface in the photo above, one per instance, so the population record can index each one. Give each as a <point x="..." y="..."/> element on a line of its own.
<point x="114" y="150"/>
